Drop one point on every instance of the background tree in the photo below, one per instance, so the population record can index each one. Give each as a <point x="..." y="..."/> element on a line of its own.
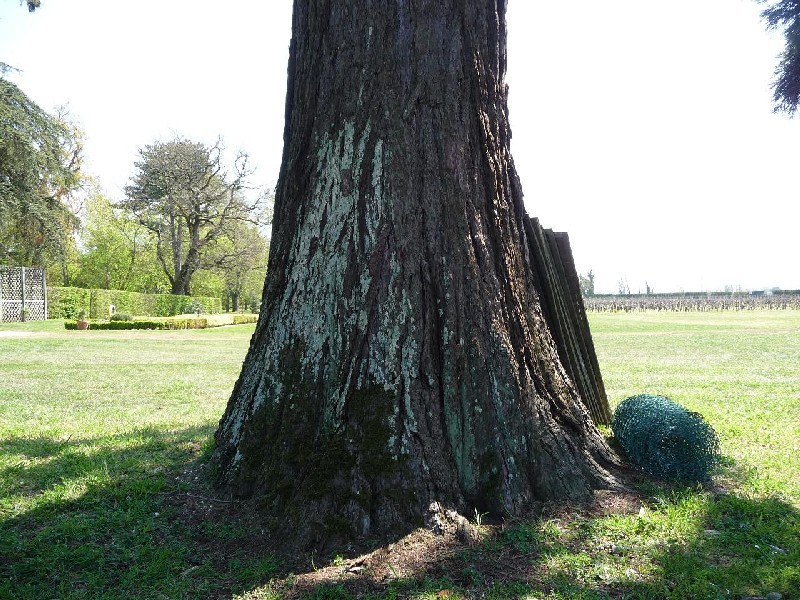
<point x="40" y="171"/>
<point x="117" y="253"/>
<point x="208" y="282"/>
<point x="622" y="286"/>
<point x="182" y="193"/>
<point x="401" y="356"/>
<point x="240" y="257"/>
<point x="785" y="14"/>
<point x="587" y="283"/>
<point x="31" y="4"/>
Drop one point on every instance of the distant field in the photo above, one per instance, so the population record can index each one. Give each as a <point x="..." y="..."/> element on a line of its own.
<point x="741" y="370"/>
<point x="73" y="384"/>
<point x="692" y="302"/>
<point x="104" y="434"/>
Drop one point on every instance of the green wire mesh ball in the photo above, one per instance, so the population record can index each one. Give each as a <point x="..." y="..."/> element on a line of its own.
<point x="664" y="439"/>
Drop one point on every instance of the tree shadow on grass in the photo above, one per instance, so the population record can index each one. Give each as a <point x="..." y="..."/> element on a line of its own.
<point x="133" y="516"/>
<point x="679" y="543"/>
<point x="121" y="516"/>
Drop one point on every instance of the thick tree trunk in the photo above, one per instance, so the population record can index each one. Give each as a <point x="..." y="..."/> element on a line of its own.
<point x="402" y="356"/>
<point x="180" y="286"/>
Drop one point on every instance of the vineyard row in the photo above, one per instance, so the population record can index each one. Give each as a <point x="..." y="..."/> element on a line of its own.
<point x="681" y="303"/>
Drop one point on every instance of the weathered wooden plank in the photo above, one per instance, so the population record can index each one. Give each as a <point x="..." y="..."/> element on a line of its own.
<point x="594" y="380"/>
<point x="563" y="309"/>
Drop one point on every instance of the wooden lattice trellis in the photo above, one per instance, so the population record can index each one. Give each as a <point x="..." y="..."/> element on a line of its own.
<point x="23" y="294"/>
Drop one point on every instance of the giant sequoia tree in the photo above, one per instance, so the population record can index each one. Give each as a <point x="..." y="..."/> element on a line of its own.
<point x="401" y="356"/>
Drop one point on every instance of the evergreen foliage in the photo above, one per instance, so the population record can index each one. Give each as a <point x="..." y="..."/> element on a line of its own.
<point x="664" y="439"/>
<point x="40" y="159"/>
<point x="785" y="15"/>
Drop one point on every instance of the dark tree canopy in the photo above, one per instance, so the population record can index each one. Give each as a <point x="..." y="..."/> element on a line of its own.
<point x="785" y="15"/>
<point x="40" y="161"/>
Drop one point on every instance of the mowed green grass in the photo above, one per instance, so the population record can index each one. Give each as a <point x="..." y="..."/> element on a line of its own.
<point x="95" y="429"/>
<point x="102" y="435"/>
<point x="62" y="384"/>
<point x="741" y="370"/>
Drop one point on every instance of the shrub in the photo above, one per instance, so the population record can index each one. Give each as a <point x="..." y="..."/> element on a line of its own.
<point x="243" y="319"/>
<point x="664" y="439"/>
<point x="127" y="322"/>
<point x="120" y="317"/>
<point x="190" y="323"/>
<point x="122" y="325"/>
<point x="194" y="306"/>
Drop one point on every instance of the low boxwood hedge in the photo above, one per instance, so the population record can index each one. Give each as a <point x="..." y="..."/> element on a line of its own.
<point x="244" y="319"/>
<point x="121" y="325"/>
<point x="174" y="323"/>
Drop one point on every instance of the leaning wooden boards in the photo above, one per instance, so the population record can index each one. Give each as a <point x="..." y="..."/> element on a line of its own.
<point x="562" y="305"/>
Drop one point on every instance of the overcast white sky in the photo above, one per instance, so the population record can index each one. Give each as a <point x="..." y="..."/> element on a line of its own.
<point x="642" y="128"/>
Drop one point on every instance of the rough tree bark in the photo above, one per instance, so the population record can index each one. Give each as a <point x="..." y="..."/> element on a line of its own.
<point x="401" y="355"/>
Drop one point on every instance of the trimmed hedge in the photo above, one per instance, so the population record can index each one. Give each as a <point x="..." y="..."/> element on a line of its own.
<point x="67" y="302"/>
<point x="117" y="325"/>
<point x="180" y="323"/>
<point x="244" y="319"/>
<point x="144" y="324"/>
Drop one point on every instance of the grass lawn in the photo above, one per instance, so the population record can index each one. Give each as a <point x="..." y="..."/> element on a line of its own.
<point x="103" y="494"/>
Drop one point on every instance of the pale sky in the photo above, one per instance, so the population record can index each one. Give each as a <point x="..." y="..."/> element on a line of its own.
<point x="642" y="128"/>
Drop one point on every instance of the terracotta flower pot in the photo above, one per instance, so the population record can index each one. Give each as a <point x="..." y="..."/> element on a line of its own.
<point x="82" y="324"/>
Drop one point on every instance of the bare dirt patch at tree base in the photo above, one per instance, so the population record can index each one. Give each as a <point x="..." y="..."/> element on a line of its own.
<point x="424" y="554"/>
<point x="449" y="559"/>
